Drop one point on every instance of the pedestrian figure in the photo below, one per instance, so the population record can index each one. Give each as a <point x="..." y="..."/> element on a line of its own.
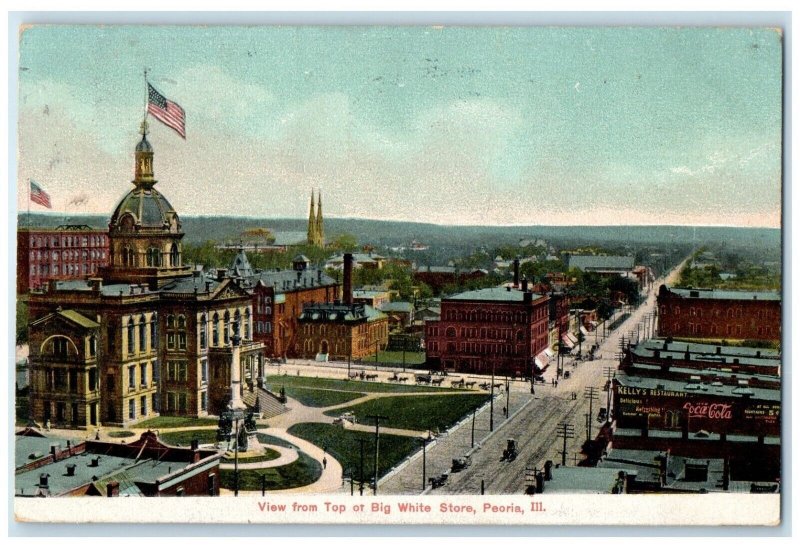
<point x="47" y="425"/>
<point x="97" y="435"/>
<point x="324" y="463"/>
<point x="505" y="411"/>
<point x="556" y="384"/>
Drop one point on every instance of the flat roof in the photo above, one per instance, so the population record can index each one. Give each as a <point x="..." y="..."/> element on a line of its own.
<point x="24" y="446"/>
<point x="581" y="479"/>
<point x="498" y="294"/>
<point x="726" y="294"/>
<point x="695" y="387"/>
<point x="702" y="348"/>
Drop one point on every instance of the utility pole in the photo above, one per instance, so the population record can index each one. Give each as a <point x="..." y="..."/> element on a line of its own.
<point x="565" y="431"/>
<point x="377" y="443"/>
<point x="474" y="411"/>
<point x="491" y="403"/>
<point x="508" y="397"/>
<point x="424" y="467"/>
<point x="590" y="392"/>
<point x="609" y="374"/>
<point x="361" y="442"/>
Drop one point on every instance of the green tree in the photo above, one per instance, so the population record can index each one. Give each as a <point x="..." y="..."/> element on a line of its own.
<point x="345" y="243"/>
<point x="22" y="322"/>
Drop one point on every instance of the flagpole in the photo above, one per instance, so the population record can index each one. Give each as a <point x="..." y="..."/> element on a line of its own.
<point x="145" y="95"/>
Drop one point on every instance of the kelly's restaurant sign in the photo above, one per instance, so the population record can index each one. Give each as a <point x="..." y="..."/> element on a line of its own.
<point x="636" y="401"/>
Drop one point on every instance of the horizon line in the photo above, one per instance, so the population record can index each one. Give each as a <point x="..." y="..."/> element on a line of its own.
<point x="521" y="225"/>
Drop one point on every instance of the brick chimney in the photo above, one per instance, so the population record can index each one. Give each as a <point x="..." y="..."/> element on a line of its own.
<point x="348" y="279"/>
<point x="112" y="489"/>
<point x="524" y="284"/>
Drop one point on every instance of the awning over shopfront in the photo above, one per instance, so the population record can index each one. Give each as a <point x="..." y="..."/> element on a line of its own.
<point x="567" y="342"/>
<point x="542" y="360"/>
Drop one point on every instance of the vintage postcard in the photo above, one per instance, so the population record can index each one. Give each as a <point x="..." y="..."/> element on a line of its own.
<point x="399" y="275"/>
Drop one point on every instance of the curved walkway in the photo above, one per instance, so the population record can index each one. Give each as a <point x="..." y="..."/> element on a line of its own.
<point x="287" y="456"/>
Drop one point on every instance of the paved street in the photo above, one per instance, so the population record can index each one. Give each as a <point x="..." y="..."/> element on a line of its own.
<point x="533" y="423"/>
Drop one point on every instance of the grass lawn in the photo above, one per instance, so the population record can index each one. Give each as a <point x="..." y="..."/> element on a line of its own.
<point x="272" y="440"/>
<point x="396" y="357"/>
<point x="269" y="454"/>
<point x="275" y="383"/>
<point x="120" y="434"/>
<point x="417" y="412"/>
<point x="177" y="422"/>
<point x="314" y="397"/>
<point x="185" y="437"/>
<point x="345" y="447"/>
<point x="301" y="472"/>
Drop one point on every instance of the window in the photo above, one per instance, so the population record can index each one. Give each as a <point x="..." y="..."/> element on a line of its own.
<point x="175" y="256"/>
<point x="203" y="401"/>
<point x="142" y="334"/>
<point x="204" y="370"/>
<point x="92" y="379"/>
<point x="182" y="401"/>
<point x="226" y="328"/>
<point x="143" y="405"/>
<point x="203" y="329"/>
<point x="131" y="334"/>
<point x="170" y="341"/>
<point x="143" y="374"/>
<point x="92" y="346"/>
<point x="153" y="332"/>
<point x="131" y="409"/>
<point x="60" y="347"/>
<point x="110" y="382"/>
<point x="170" y="321"/>
<point x="215" y="330"/>
<point x="132" y="376"/>
<point x="182" y="341"/>
<point x="247" y="323"/>
<point x="181" y="322"/>
<point x="153" y="257"/>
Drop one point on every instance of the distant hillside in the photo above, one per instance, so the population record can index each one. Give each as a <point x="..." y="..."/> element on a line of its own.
<point x="393" y="233"/>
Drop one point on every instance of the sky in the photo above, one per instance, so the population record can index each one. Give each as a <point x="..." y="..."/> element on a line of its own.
<point x="449" y="125"/>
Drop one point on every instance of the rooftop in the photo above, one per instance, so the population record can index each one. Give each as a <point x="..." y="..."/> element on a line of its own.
<point x="601" y="262"/>
<point x="725" y="294"/>
<point x="397" y="306"/>
<point x="690" y="387"/>
<point x="585" y="480"/>
<point x="497" y="294"/>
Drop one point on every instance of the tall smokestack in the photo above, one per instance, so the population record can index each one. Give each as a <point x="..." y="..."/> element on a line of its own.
<point x="516" y="273"/>
<point x="348" y="279"/>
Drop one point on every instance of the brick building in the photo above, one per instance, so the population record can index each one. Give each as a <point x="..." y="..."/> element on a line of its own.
<point x="144" y="337"/>
<point x="278" y="299"/>
<point x="499" y="328"/>
<point x="57" y="467"/>
<point x="67" y="252"/>
<point x="719" y="314"/>
<point x="341" y="330"/>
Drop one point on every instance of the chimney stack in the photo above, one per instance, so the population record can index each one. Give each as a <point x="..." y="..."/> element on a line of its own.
<point x="516" y="273"/>
<point x="524" y="284"/>
<point x="112" y="489"/>
<point x="221" y="274"/>
<point x="348" y="279"/>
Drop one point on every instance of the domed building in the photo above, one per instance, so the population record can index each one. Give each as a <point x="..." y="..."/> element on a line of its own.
<point x="147" y="337"/>
<point x="145" y="230"/>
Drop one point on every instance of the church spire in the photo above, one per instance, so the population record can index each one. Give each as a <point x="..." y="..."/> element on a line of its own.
<point x="320" y="227"/>
<point x="312" y="224"/>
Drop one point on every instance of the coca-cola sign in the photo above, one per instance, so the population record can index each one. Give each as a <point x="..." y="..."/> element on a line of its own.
<point x="708" y="410"/>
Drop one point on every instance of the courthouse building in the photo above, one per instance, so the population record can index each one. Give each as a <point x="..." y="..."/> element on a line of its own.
<point x="146" y="335"/>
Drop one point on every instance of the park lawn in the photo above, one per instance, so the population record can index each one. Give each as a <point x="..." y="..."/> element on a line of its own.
<point x="275" y="382"/>
<point x="396" y="357"/>
<point x="185" y="437"/>
<point x="344" y="446"/>
<point x="303" y="471"/>
<point x="314" y="397"/>
<point x="269" y="454"/>
<point x="266" y="439"/>
<point x="177" y="422"/>
<point x="417" y="412"/>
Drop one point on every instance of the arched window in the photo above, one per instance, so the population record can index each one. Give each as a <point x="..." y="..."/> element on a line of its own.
<point x="142" y="333"/>
<point x="226" y="328"/>
<point x="92" y="346"/>
<point x="181" y="322"/>
<point x="174" y="255"/>
<point x="237" y="322"/>
<point x="215" y="330"/>
<point x="131" y="336"/>
<point x="267" y="310"/>
<point x="203" y="328"/>
<point x="153" y="256"/>
<point x="247" y="323"/>
<point x="170" y="321"/>
<point x="154" y="331"/>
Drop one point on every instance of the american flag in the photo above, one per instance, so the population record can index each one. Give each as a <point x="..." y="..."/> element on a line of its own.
<point x="166" y="111"/>
<point x="39" y="196"/>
